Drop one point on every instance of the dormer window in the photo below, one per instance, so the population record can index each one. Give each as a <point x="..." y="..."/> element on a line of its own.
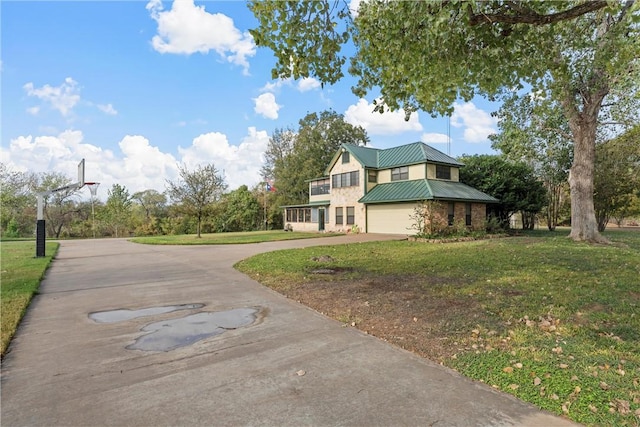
<point x="443" y="172"/>
<point x="399" y="174"/>
<point x="345" y="157"/>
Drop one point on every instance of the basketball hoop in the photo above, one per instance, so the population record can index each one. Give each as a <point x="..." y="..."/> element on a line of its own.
<point x="93" y="187"/>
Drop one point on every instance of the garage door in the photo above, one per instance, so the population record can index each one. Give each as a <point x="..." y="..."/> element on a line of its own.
<point x="393" y="218"/>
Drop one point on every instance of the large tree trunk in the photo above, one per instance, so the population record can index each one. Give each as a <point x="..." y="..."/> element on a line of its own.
<point x="584" y="226"/>
<point x="583" y="123"/>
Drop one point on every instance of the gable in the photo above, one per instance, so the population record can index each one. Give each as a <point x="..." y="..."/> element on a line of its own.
<point x="409" y="154"/>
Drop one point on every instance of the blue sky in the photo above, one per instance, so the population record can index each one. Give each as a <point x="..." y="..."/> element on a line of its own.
<point x="138" y="87"/>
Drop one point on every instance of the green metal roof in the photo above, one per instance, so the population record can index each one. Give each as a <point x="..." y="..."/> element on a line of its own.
<point x="308" y="205"/>
<point x="368" y="157"/>
<point x="424" y="189"/>
<point x="409" y="154"/>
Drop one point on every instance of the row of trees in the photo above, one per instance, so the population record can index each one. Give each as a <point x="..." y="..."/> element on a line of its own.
<point x="530" y="177"/>
<point x="199" y="203"/>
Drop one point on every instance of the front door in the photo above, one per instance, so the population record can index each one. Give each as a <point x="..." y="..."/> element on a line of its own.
<point x="320" y="219"/>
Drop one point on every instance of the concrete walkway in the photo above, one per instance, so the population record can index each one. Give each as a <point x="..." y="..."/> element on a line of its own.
<point x="292" y="367"/>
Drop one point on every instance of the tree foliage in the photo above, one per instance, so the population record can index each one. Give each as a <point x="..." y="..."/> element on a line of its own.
<point x="295" y="158"/>
<point x="238" y="210"/>
<point x="617" y="178"/>
<point x="428" y="54"/>
<point x="17" y="201"/>
<point x="197" y="191"/>
<point x="533" y="130"/>
<point x="117" y="210"/>
<point x="514" y="184"/>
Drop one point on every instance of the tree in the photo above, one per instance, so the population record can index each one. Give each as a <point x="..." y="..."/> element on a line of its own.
<point x="150" y="210"/>
<point x="238" y="210"/>
<point x="153" y="203"/>
<point x="60" y="207"/>
<point x="617" y="176"/>
<point x="197" y="191"/>
<point x="426" y="55"/>
<point x="17" y="201"/>
<point x="533" y="130"/>
<point x="117" y="209"/>
<point x="298" y="157"/>
<point x="513" y="183"/>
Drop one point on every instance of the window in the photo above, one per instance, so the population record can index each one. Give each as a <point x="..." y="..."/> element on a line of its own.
<point x="452" y="208"/>
<point x="320" y="186"/>
<point x="339" y="220"/>
<point x="372" y="175"/>
<point x="400" y="173"/>
<point x="345" y="157"/>
<point x="443" y="172"/>
<point x="347" y="179"/>
<point x="299" y="215"/>
<point x="467" y="215"/>
<point x="351" y="215"/>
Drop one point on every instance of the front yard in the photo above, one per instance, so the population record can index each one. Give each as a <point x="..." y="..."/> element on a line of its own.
<point x="550" y="321"/>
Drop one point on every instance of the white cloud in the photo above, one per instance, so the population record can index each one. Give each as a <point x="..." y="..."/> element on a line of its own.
<point x="266" y="106"/>
<point x="388" y="123"/>
<point x="187" y="29"/>
<point x="58" y="153"/>
<point x="308" y="83"/>
<point x="139" y="165"/>
<point x="240" y="164"/>
<point x="275" y="85"/>
<point x="477" y="123"/>
<point x="107" y="109"/>
<point x="62" y="98"/>
<point x="434" y="138"/>
<point x="354" y="5"/>
<point x="33" y="110"/>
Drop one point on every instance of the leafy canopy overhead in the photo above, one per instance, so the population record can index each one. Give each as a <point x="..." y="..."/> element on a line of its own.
<point x="428" y="54"/>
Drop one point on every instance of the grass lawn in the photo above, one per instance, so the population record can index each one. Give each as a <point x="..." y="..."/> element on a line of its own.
<point x="228" y="238"/>
<point x="550" y="321"/>
<point x="20" y="278"/>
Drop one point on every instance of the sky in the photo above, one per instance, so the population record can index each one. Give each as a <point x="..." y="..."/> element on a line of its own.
<point x="137" y="88"/>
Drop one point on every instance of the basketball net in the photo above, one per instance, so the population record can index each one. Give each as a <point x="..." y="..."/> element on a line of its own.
<point x="93" y="187"/>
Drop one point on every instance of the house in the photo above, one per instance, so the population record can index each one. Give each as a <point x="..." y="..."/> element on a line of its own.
<point x="376" y="191"/>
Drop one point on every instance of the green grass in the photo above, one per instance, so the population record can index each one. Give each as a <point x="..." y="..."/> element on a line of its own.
<point x="560" y="321"/>
<point x="228" y="238"/>
<point x="20" y="277"/>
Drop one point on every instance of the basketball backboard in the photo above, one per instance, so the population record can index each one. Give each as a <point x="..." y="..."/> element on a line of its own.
<point x="81" y="173"/>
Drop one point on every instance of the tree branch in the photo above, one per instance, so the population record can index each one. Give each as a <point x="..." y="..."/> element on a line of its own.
<point x="528" y="16"/>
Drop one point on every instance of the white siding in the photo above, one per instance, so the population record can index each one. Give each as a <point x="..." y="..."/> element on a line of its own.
<point x="390" y="218"/>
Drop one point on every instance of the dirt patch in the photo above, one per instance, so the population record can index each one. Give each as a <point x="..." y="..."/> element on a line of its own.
<point x="408" y="311"/>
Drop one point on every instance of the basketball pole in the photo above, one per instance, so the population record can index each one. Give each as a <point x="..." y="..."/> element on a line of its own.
<point x="41" y="231"/>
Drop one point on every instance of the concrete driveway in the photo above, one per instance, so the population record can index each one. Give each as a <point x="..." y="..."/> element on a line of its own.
<point x="289" y="367"/>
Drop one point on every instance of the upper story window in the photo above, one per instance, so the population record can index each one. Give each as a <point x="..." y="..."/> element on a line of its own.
<point x="372" y="175"/>
<point x="443" y="172"/>
<point x="347" y="179"/>
<point x="345" y="157"/>
<point x="320" y="186"/>
<point x="398" y="174"/>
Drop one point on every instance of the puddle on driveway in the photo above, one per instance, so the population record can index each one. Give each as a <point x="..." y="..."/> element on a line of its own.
<point x="121" y="315"/>
<point x="168" y="335"/>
